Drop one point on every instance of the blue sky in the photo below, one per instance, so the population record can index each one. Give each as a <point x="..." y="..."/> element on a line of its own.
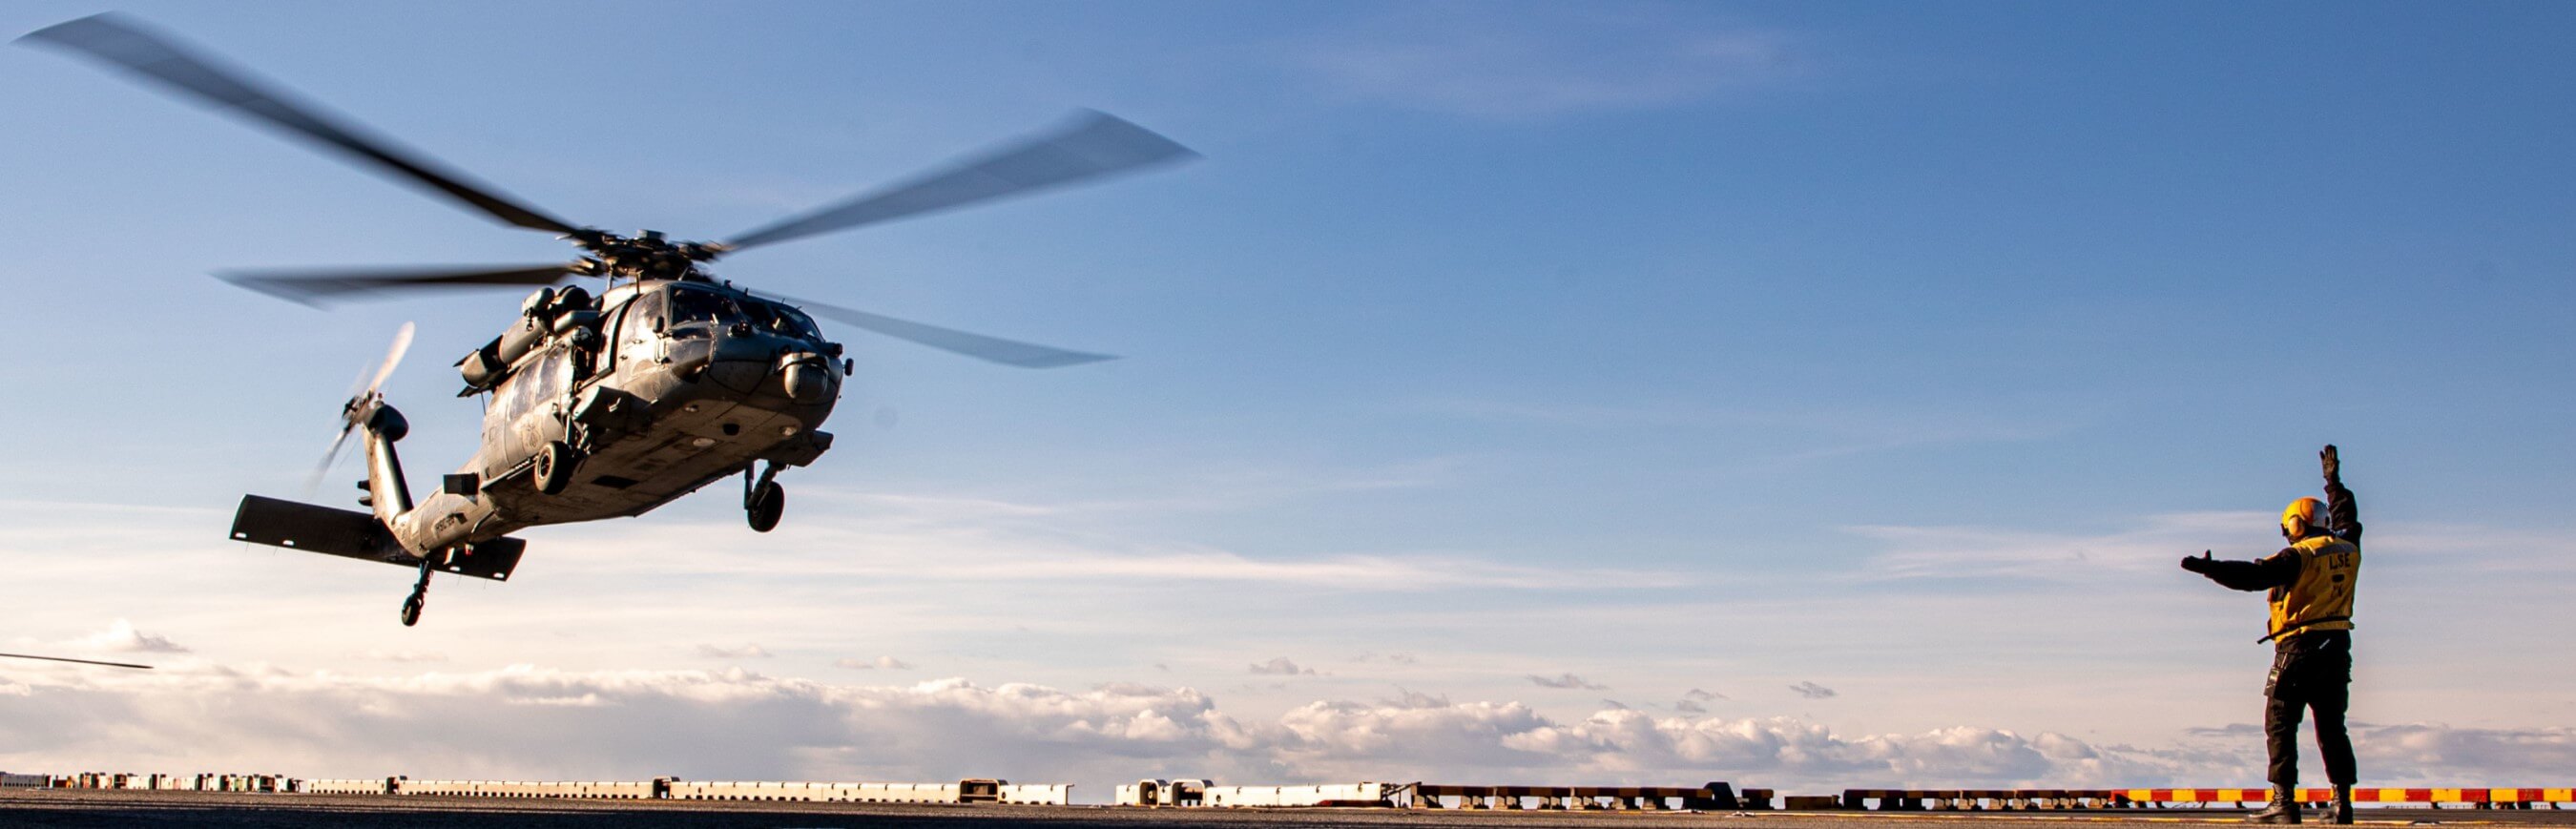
<point x="1892" y="350"/>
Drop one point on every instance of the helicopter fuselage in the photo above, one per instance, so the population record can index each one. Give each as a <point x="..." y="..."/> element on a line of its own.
<point x="656" y="389"/>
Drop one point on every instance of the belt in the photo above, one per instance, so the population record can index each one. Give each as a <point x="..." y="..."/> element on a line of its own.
<point x="2300" y="626"/>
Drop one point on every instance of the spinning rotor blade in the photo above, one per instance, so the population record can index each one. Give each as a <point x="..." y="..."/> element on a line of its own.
<point x="1093" y="145"/>
<point x="316" y="287"/>
<point x="81" y="661"/>
<point x="362" y="404"/>
<point x="113" y="39"/>
<point x="393" y="357"/>
<point x="1006" y="352"/>
<point x="313" y="481"/>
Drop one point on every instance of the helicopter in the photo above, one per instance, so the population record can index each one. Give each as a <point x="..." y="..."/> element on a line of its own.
<point x="601" y="404"/>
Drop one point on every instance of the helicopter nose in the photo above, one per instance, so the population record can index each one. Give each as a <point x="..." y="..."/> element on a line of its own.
<point x="807" y="377"/>
<point x="737" y="364"/>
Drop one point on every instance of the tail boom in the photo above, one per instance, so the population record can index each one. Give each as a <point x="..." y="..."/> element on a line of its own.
<point x="358" y="535"/>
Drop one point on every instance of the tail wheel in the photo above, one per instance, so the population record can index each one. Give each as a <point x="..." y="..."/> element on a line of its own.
<point x="411" y="609"/>
<point x="768" y="503"/>
<point x="555" y="465"/>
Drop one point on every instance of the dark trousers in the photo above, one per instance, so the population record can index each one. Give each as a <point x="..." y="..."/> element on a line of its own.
<point x="2310" y="671"/>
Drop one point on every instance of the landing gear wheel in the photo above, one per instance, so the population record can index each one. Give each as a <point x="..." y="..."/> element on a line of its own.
<point x="419" y="597"/>
<point x="555" y="465"/>
<point x="768" y="502"/>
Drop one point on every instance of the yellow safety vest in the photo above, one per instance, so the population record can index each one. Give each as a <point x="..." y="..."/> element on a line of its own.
<point x="2321" y="598"/>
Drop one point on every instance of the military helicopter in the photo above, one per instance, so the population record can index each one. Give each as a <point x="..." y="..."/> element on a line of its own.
<point x="604" y="404"/>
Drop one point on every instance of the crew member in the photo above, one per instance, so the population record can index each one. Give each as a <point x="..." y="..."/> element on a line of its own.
<point x="2311" y="583"/>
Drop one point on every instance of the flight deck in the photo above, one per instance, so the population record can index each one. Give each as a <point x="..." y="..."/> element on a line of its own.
<point x="49" y="808"/>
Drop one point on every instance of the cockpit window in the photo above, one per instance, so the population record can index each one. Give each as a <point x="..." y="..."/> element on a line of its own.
<point x="689" y="306"/>
<point x="781" y="319"/>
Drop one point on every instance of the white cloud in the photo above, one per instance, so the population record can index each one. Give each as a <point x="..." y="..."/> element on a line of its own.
<point x="979" y="541"/>
<point x="1791" y="437"/>
<point x="1281" y="666"/>
<point x="1564" y="681"/>
<point x="2152" y="544"/>
<point x="2155" y="544"/>
<point x="1230" y="490"/>
<point x="733" y="724"/>
<point x="2409" y="751"/>
<point x="1837" y="430"/>
<point x="402" y="656"/>
<point x="599" y="599"/>
<point x="880" y="663"/>
<point x="745" y="651"/>
<point x="1541" y="60"/>
<point x="121" y="637"/>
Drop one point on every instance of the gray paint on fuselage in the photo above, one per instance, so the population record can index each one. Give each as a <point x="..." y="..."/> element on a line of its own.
<point x="713" y="395"/>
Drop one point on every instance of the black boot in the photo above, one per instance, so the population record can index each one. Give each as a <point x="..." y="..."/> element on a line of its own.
<point x="2283" y="809"/>
<point x="2340" y="814"/>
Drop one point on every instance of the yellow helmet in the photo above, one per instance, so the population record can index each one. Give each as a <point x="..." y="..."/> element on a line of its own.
<point x="2302" y="517"/>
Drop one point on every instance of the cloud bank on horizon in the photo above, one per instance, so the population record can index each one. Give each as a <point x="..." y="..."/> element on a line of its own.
<point x="1330" y="712"/>
<point x="526" y="722"/>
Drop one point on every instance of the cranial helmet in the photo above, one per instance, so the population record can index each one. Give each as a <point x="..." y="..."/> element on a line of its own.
<point x="2302" y="517"/>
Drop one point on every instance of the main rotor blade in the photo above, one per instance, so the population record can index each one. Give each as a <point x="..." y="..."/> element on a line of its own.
<point x="314" y="287"/>
<point x="81" y="661"/>
<point x="1094" y="144"/>
<point x="128" y="45"/>
<point x="1007" y="352"/>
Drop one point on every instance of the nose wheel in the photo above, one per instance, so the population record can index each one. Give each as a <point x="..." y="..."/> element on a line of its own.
<point x="764" y="501"/>
<point x="419" y="597"/>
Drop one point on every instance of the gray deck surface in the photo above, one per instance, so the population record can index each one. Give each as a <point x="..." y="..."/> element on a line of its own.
<point x="81" y="808"/>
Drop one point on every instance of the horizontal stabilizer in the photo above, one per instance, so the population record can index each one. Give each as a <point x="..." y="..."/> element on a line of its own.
<point x="359" y="535"/>
<point x="315" y="529"/>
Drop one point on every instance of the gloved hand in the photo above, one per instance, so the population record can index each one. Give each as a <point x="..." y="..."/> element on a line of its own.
<point x="2197" y="564"/>
<point x="2333" y="466"/>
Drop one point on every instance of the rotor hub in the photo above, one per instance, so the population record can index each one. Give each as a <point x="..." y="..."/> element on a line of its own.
<point x="644" y="256"/>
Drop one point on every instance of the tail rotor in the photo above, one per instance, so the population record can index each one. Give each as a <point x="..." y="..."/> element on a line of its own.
<point x="362" y="404"/>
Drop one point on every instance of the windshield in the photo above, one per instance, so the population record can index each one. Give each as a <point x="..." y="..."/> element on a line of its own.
<point x="782" y="319"/>
<point x="689" y="305"/>
<point x="692" y="305"/>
